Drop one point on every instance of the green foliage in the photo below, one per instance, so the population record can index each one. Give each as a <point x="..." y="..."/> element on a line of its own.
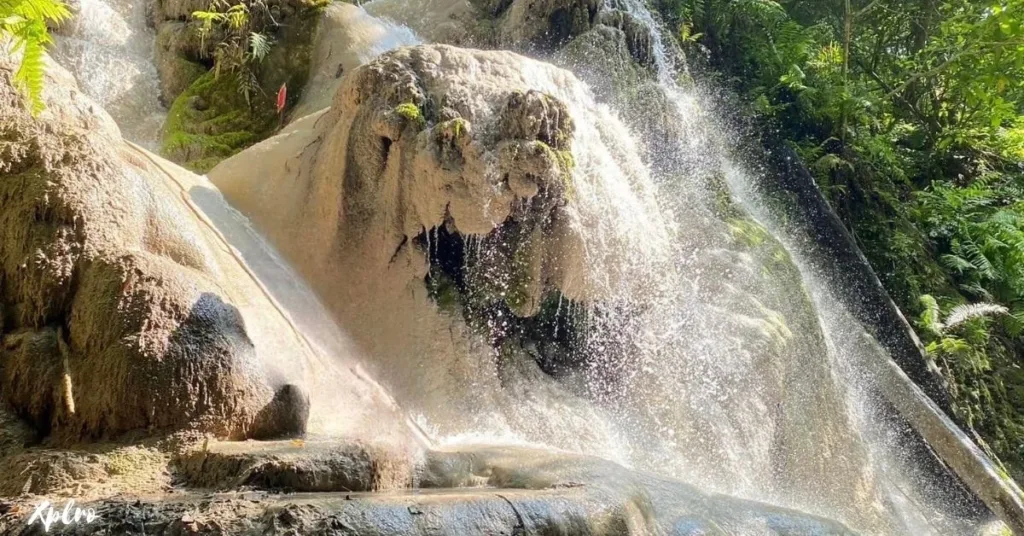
<point x="242" y="43"/>
<point x="24" y="22"/>
<point x="909" y="115"/>
<point x="211" y="121"/>
<point x="411" y="113"/>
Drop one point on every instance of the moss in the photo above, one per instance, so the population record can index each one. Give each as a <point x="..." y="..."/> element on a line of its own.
<point x="566" y="165"/>
<point x="411" y="113"/>
<point x="211" y="121"/>
<point x="443" y="290"/>
<point x="454" y="129"/>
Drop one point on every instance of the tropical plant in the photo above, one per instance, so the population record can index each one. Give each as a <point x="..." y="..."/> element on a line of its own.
<point x="242" y="42"/>
<point x="910" y="116"/>
<point x="24" y="23"/>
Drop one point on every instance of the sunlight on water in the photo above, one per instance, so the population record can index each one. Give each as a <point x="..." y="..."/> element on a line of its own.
<point x="109" y="49"/>
<point x="707" y="349"/>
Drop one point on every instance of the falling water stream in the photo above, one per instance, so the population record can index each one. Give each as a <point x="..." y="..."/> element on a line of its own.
<point x="109" y="49"/>
<point x="715" y="354"/>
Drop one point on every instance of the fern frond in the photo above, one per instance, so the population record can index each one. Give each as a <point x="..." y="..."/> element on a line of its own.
<point x="971" y="311"/>
<point x="979" y="260"/>
<point x="259" y="46"/>
<point x="42" y="10"/>
<point x="29" y="76"/>
<point x="956" y="263"/>
<point x="930" y="316"/>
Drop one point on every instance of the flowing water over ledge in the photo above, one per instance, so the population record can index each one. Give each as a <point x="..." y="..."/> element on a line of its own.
<point x="698" y="366"/>
<point x="109" y="49"/>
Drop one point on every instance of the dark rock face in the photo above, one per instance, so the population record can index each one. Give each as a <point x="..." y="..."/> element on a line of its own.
<point x="638" y="38"/>
<point x="178" y="59"/>
<point x="285" y="416"/>
<point x="544" y="24"/>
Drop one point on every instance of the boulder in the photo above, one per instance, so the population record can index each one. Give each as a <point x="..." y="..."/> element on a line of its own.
<point x="123" y="308"/>
<point x="546" y="24"/>
<point x="176" y="62"/>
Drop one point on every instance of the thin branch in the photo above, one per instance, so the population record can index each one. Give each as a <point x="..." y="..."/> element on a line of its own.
<point x="942" y="67"/>
<point x="867" y="8"/>
<point x="945" y="65"/>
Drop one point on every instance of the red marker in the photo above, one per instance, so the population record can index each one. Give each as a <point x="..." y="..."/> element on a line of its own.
<point x="282" y="96"/>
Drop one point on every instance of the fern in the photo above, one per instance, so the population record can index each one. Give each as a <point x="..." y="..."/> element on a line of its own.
<point x="24" y="22"/>
<point x="956" y="263"/>
<point x="243" y="44"/>
<point x="259" y="46"/>
<point x="971" y="311"/>
<point x="930" y="319"/>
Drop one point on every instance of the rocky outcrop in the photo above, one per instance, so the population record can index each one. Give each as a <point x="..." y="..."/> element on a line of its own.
<point x="501" y="491"/>
<point x="346" y="38"/>
<point x="544" y="23"/>
<point x="438" y="148"/>
<point x="121" y="305"/>
<point x="415" y="148"/>
<point x="212" y="114"/>
<point x="178" y="59"/>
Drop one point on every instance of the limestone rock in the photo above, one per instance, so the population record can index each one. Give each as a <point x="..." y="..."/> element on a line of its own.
<point x="432" y="155"/>
<point x="175" y="68"/>
<point x="285" y="416"/>
<point x="122" y="305"/>
<point x="14" y="433"/>
<point x="546" y="23"/>
<point x="476" y="159"/>
<point x="638" y="38"/>
<point x="319" y="465"/>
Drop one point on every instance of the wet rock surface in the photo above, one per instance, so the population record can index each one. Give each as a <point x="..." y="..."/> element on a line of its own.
<point x="503" y="491"/>
<point x="119" y="314"/>
<point x="314" y="465"/>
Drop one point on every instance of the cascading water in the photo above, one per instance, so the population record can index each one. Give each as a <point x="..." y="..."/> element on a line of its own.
<point x="109" y="49"/>
<point x="707" y="358"/>
<point x="703" y="347"/>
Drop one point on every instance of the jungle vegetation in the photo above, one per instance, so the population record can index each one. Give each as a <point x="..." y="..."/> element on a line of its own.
<point x="23" y="27"/>
<point x="910" y="116"/>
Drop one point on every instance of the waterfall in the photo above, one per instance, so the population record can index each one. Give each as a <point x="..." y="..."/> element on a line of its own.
<point x="109" y="49"/>
<point x="709" y="349"/>
<point x="732" y="369"/>
<point x="915" y="498"/>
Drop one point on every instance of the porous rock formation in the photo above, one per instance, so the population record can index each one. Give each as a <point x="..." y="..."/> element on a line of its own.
<point x="486" y="175"/>
<point x="413" y="144"/>
<point x="120" y="309"/>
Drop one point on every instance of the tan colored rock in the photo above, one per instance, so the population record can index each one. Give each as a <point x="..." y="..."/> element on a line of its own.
<point x="125" y="308"/>
<point x="346" y="38"/>
<point x="430" y="140"/>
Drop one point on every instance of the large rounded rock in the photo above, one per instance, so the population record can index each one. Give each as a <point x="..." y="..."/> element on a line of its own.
<point x="547" y="23"/>
<point x="123" y="309"/>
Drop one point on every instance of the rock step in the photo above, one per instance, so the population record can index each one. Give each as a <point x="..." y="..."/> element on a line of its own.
<point x="295" y="465"/>
<point x="579" y="511"/>
<point x="472" y="490"/>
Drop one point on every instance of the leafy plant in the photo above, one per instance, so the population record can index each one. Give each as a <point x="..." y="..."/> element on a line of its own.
<point x="241" y="39"/>
<point x="910" y="116"/>
<point x="24" y="22"/>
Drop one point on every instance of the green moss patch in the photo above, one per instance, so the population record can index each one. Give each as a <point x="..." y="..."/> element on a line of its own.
<point x="211" y="121"/>
<point x="411" y="113"/>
